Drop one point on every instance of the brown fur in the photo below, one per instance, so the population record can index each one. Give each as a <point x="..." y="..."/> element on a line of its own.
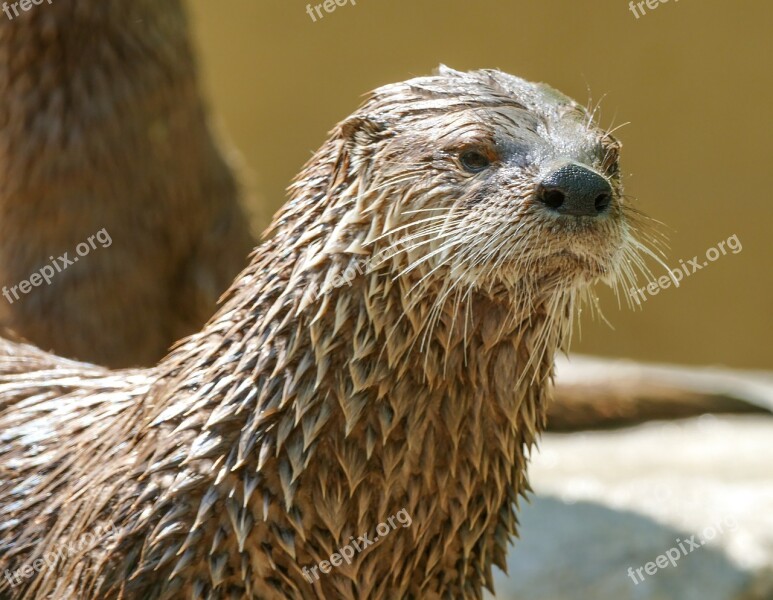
<point x="306" y="411"/>
<point x="102" y="126"/>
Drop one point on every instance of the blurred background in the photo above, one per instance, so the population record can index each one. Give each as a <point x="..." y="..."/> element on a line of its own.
<point x="692" y="78"/>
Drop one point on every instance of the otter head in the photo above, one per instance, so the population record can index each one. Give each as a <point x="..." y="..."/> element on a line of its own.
<point x="479" y="183"/>
<point x="488" y="179"/>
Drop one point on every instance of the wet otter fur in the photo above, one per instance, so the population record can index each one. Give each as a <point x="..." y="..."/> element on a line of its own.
<point x="102" y="127"/>
<point x="314" y="405"/>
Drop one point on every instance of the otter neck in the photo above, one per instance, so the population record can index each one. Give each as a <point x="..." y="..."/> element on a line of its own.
<point x="346" y="419"/>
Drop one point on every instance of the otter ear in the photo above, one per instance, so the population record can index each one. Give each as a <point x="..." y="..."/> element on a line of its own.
<point x="360" y="135"/>
<point x="362" y="130"/>
<point x="446" y="70"/>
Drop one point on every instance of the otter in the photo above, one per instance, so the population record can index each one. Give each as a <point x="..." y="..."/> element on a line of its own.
<point x="103" y="132"/>
<point x="321" y="397"/>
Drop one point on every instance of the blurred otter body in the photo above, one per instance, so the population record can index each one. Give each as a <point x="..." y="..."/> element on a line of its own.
<point x="102" y="127"/>
<point x="311" y="407"/>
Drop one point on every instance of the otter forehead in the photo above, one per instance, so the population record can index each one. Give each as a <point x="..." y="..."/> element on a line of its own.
<point x="450" y="90"/>
<point x="532" y="123"/>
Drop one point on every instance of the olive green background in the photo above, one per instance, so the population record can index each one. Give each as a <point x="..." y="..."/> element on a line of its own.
<point x="692" y="77"/>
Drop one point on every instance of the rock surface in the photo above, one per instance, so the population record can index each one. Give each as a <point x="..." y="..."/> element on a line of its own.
<point x="609" y="501"/>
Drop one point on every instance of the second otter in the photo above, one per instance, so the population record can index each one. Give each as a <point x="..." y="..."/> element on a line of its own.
<point x="295" y="422"/>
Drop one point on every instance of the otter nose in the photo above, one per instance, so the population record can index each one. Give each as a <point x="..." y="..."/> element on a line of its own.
<point x="575" y="190"/>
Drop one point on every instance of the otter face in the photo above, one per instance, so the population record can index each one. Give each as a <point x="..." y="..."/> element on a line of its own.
<point x="490" y="180"/>
<point x="541" y="191"/>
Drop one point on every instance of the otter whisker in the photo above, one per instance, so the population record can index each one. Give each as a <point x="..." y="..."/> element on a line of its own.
<point x="641" y="247"/>
<point x="437" y="232"/>
<point x="545" y="327"/>
<point x="445" y="248"/>
<point x="592" y="114"/>
<point x="415" y="246"/>
<point x="608" y="133"/>
<point x="647" y="224"/>
<point x="435" y="209"/>
<point x="406" y="226"/>
<point x="419" y="234"/>
<point x="442" y="249"/>
<point x="397" y="180"/>
<point x="625" y="277"/>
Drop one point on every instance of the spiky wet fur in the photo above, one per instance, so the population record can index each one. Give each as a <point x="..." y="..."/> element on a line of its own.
<point x="312" y="407"/>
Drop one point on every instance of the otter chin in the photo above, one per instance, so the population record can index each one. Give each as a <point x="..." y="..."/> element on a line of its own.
<point x="388" y="350"/>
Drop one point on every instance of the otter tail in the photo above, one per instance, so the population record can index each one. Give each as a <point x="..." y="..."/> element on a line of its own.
<point x="594" y="393"/>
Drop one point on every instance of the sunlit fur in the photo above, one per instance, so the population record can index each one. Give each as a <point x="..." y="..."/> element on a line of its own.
<point x="310" y="407"/>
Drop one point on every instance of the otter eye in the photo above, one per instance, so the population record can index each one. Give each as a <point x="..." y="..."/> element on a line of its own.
<point x="474" y="161"/>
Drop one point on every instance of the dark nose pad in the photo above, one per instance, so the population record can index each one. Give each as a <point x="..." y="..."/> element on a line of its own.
<point x="575" y="190"/>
